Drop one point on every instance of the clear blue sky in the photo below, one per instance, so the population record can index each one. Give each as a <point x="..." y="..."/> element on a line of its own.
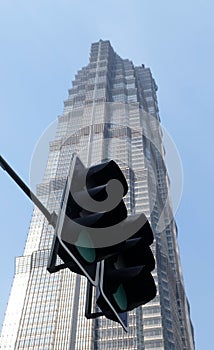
<point x="44" y="43"/>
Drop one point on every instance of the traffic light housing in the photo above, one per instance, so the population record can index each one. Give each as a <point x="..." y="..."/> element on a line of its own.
<point x="126" y="281"/>
<point x="89" y="205"/>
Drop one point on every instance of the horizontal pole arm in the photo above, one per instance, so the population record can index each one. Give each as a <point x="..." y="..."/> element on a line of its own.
<point x="50" y="217"/>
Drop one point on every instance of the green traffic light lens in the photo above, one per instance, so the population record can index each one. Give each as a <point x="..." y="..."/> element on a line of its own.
<point x="84" y="245"/>
<point x="120" y="297"/>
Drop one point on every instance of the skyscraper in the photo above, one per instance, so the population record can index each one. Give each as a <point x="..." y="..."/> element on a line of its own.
<point x="111" y="113"/>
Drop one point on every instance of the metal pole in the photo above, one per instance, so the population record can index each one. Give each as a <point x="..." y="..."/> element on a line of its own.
<point x="50" y="217"/>
<point x="88" y="303"/>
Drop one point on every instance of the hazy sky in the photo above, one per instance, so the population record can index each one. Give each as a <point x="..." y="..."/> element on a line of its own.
<point x="44" y="42"/>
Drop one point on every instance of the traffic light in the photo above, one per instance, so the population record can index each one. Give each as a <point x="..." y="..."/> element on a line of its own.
<point x="92" y="202"/>
<point x="126" y="281"/>
<point x="95" y="238"/>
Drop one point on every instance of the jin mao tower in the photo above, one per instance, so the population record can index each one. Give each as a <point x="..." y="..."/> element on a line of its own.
<point x="111" y="113"/>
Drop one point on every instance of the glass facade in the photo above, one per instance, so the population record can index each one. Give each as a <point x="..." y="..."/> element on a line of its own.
<point x="111" y="113"/>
